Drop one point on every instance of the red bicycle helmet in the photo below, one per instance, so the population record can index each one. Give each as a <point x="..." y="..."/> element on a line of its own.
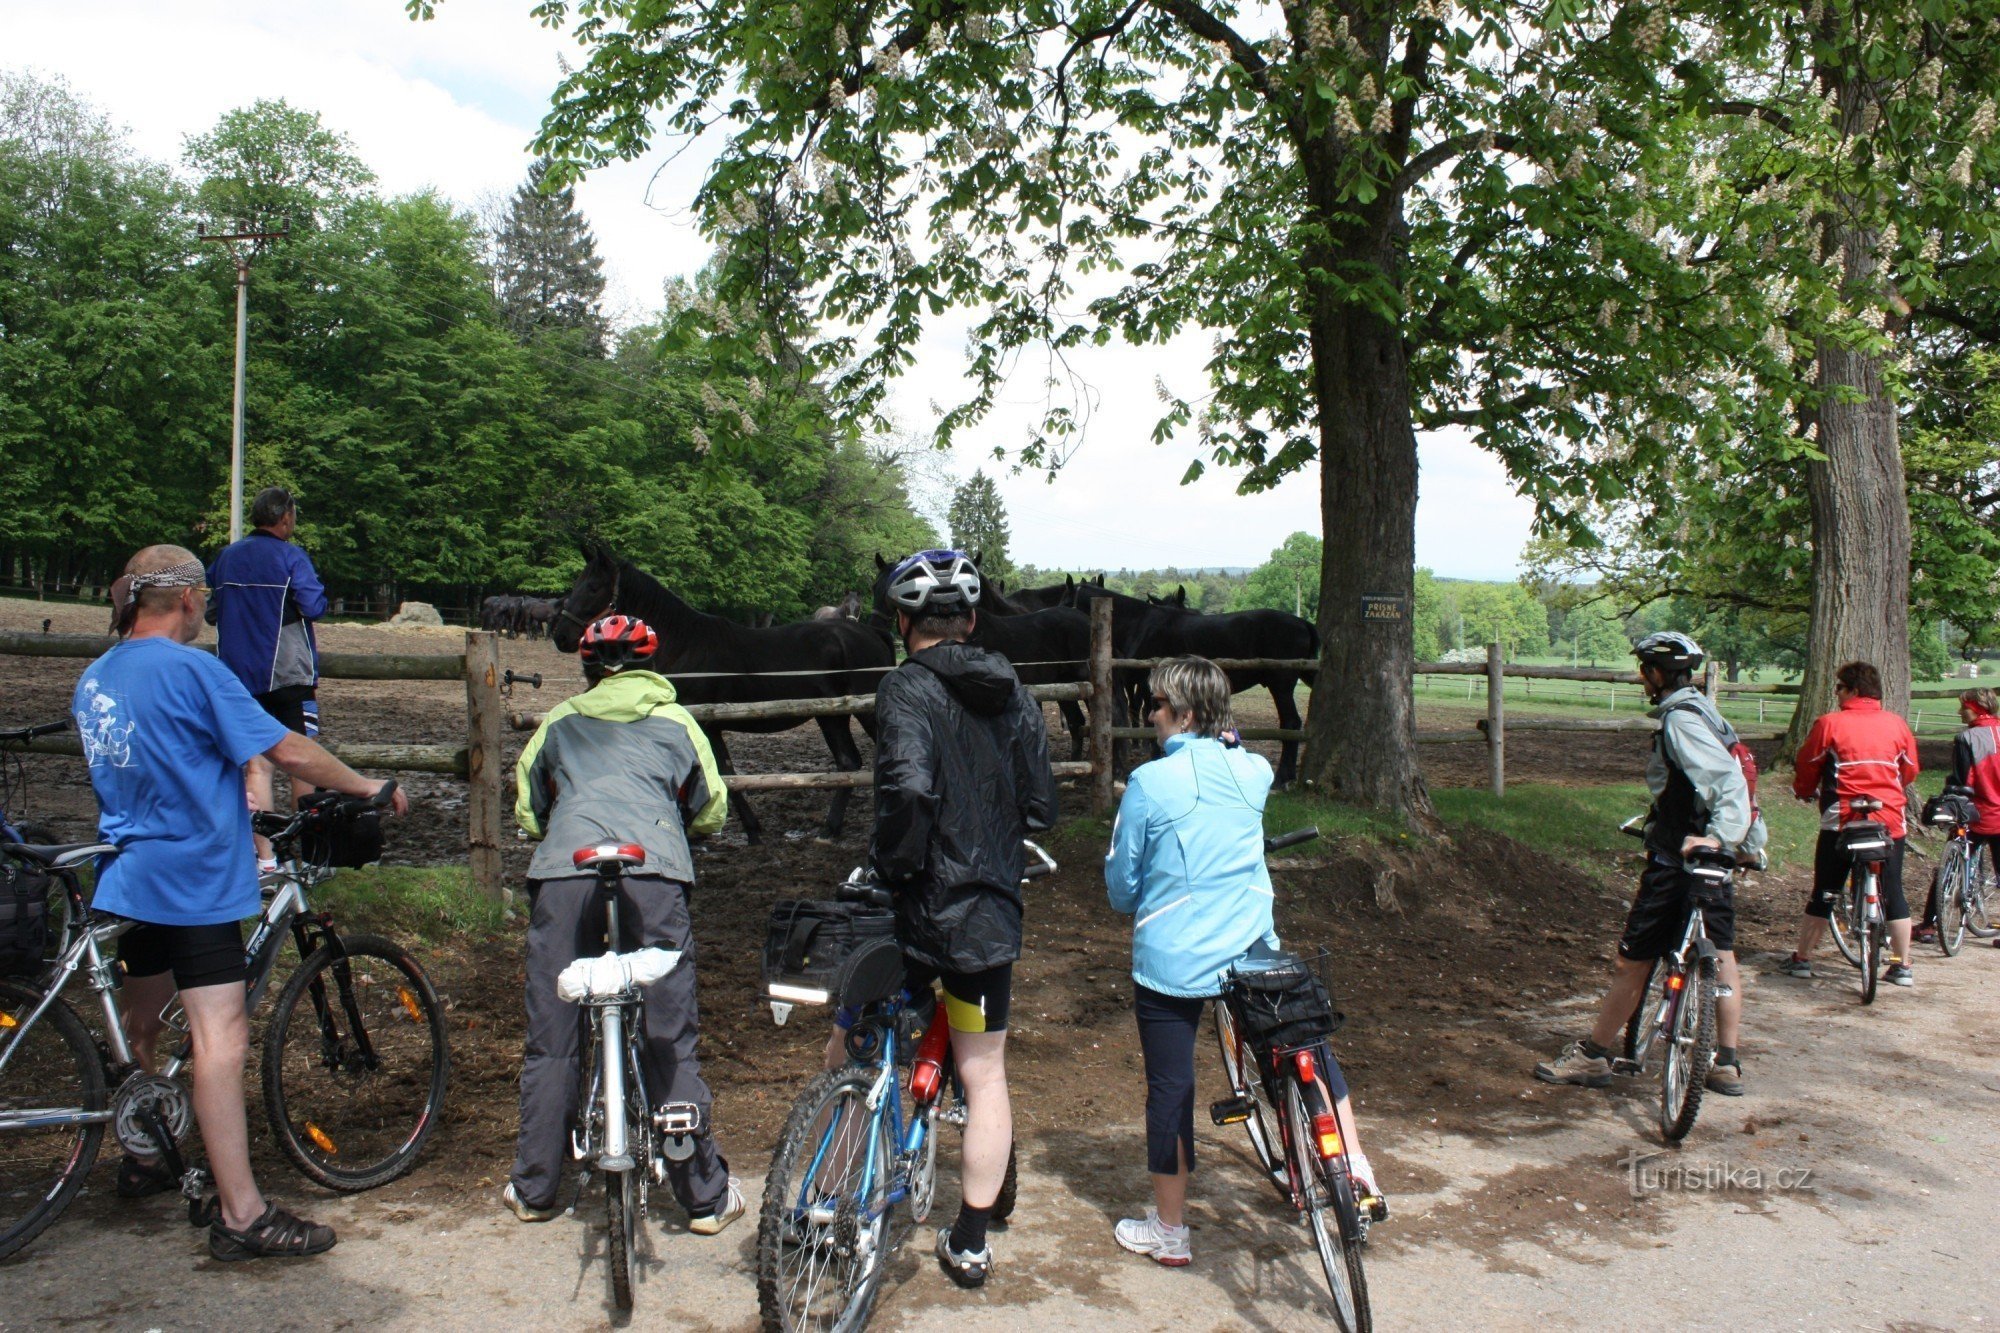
<point x="616" y="642"/>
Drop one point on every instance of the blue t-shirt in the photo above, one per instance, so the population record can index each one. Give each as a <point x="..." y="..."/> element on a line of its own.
<point x="166" y="731"/>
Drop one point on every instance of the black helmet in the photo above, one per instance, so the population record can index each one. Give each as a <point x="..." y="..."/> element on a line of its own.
<point x="1669" y="650"/>
<point x="944" y="582"/>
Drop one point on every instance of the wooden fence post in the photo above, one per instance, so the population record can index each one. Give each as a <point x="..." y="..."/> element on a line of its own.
<point x="1496" y="719"/>
<point x="1102" y="702"/>
<point x="484" y="761"/>
<point x="1709" y="680"/>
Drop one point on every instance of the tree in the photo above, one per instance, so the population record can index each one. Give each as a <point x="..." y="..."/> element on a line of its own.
<point x="979" y="525"/>
<point x="1288" y="581"/>
<point x="547" y="273"/>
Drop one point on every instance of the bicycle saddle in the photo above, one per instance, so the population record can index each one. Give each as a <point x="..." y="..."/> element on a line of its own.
<point x="606" y="854"/>
<point x="64" y="856"/>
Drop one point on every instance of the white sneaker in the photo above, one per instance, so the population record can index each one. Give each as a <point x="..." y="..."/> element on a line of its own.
<point x="731" y="1208"/>
<point x="1150" y="1236"/>
<point x="1362" y="1172"/>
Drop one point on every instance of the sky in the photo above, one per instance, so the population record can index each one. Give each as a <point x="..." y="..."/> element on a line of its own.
<point x="452" y="105"/>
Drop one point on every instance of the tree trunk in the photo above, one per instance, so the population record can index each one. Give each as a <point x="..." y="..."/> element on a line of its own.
<point x="1860" y="524"/>
<point x="1361" y="732"/>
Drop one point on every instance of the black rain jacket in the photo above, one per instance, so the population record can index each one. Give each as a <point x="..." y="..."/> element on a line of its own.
<point x="961" y="777"/>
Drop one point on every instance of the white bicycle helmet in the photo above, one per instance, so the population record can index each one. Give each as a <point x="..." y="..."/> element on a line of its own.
<point x="941" y="581"/>
<point x="1669" y="650"/>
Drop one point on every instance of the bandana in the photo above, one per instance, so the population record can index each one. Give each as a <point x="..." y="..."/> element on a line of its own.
<point x="125" y="590"/>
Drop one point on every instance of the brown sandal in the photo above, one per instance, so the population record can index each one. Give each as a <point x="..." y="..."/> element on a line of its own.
<point x="275" y="1235"/>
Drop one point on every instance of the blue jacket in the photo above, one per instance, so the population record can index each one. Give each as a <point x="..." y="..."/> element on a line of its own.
<point x="266" y="594"/>
<point x="1187" y="862"/>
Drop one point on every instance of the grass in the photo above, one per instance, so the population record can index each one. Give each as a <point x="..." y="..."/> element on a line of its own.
<point x="1585" y="820"/>
<point x="425" y="902"/>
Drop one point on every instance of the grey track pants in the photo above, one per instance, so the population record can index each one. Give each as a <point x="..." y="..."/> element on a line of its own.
<point x="566" y="922"/>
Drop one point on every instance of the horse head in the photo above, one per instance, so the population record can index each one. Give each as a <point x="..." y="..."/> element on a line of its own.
<point x="594" y="592"/>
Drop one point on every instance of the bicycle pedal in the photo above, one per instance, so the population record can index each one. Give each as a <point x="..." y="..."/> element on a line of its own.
<point x="1724" y="992"/>
<point x="1232" y="1111"/>
<point x="1376" y="1207"/>
<point x="1620" y="1065"/>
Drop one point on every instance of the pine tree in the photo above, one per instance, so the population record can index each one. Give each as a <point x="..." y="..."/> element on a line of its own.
<point x="548" y="274"/>
<point x="979" y="525"/>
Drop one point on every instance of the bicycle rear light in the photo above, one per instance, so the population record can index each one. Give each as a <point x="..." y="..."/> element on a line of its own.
<point x="1326" y="1130"/>
<point x="1308" y="1068"/>
<point x="1676" y="980"/>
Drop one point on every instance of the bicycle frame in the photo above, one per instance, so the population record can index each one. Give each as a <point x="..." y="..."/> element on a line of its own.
<point x="885" y="1099"/>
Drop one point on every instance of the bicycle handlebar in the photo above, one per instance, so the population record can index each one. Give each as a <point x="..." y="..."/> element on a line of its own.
<point x="1280" y="841"/>
<point x="31" y="733"/>
<point x="874" y="893"/>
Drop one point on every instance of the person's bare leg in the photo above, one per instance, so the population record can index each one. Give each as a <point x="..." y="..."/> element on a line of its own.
<point x="1628" y="983"/>
<point x="989" y="1116"/>
<point x="1811" y="931"/>
<point x="257" y="781"/>
<point x="1170" y="1192"/>
<point x="1729" y="1008"/>
<point x="1899" y="940"/>
<point x="221" y="1030"/>
<point x="140" y="1000"/>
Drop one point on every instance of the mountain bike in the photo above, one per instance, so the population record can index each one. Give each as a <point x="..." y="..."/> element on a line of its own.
<point x="617" y="1133"/>
<point x="1677" y="1008"/>
<point x="1963" y="903"/>
<point x="355" y="1053"/>
<point x="1860" y="931"/>
<point x="1280" y="1094"/>
<point x="848" y="1156"/>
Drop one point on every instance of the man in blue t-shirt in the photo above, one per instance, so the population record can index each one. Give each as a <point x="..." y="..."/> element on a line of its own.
<point x="166" y="730"/>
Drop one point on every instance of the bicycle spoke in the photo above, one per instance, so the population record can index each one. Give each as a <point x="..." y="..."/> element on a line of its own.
<point x="54" y="1066"/>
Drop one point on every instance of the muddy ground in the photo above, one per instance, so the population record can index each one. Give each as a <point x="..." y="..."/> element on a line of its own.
<point x="1448" y="970"/>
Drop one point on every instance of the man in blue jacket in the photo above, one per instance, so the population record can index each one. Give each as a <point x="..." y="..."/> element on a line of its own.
<point x="266" y="597"/>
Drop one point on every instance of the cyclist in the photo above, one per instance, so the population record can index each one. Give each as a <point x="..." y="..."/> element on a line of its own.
<point x="620" y="763"/>
<point x="1858" y="750"/>
<point x="266" y="597"/>
<point x="1701" y="798"/>
<point x="1187" y="862"/>
<point x="1975" y="765"/>
<point x="961" y="777"/>
<point x="166" y="731"/>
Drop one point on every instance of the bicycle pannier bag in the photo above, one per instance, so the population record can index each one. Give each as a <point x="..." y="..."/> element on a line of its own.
<point x="830" y="952"/>
<point x="1283" y="1005"/>
<point x="24" y="918"/>
<point x="344" y="832"/>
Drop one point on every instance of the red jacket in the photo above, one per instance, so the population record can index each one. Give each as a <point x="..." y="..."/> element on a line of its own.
<point x="1860" y="750"/>
<point x="1975" y="763"/>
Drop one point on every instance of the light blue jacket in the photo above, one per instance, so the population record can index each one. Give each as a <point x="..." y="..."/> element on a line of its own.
<point x="1187" y="862"/>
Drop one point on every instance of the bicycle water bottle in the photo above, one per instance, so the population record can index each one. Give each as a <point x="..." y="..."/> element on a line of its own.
<point x="927" y="1072"/>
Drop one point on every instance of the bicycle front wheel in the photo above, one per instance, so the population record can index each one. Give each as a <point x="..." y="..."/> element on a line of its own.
<point x="355" y="1064"/>
<point x="1639" y="1027"/>
<point x="52" y="1066"/>
<point x="1979" y="897"/>
<point x="1690" y="1047"/>
<point x="1336" y="1229"/>
<point x="1239" y="1065"/>
<point x="1845" y="921"/>
<point x="1952" y="882"/>
<point x="820" y="1250"/>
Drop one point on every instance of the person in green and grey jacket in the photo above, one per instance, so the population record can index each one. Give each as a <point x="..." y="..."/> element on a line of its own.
<point x="619" y="763"/>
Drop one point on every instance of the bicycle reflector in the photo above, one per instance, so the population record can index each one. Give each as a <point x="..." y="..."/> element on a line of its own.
<point x="1326" y="1132"/>
<point x="320" y="1139"/>
<point x="1308" y="1068"/>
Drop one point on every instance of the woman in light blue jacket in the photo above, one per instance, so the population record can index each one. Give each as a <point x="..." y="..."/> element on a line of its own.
<point x="1187" y="864"/>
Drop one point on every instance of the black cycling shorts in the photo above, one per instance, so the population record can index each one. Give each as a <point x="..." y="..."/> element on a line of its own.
<point x="296" y="706"/>
<point x="196" y="955"/>
<point x="1830" y="874"/>
<point x="973" y="1001"/>
<point x="1659" y="914"/>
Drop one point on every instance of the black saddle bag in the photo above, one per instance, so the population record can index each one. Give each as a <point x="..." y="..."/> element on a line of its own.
<point x="830" y="952"/>
<point x="24" y="918"/>
<point x="1866" y="842"/>
<point x="1285" y="1004"/>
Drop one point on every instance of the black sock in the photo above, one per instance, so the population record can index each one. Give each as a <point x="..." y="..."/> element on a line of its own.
<point x="1725" y="1055"/>
<point x="1593" y="1050"/>
<point x="968" y="1234"/>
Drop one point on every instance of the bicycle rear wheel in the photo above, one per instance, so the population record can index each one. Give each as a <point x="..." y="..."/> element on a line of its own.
<point x="1239" y="1065"/>
<point x="820" y="1251"/>
<point x="621" y="1232"/>
<point x="1328" y="1203"/>
<point x="1690" y="1047"/>
<point x="53" y="1065"/>
<point x="1868" y="941"/>
<point x="1952" y="876"/>
<point x="355" y="1064"/>
<point x="1845" y="922"/>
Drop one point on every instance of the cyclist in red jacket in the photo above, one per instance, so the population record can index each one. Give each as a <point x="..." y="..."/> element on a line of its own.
<point x="1975" y="765"/>
<point x="1859" y="750"/>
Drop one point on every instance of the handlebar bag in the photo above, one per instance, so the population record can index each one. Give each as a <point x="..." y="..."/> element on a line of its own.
<point x="1282" y="1005"/>
<point x="809" y="944"/>
<point x="24" y="918"/>
<point x="344" y="831"/>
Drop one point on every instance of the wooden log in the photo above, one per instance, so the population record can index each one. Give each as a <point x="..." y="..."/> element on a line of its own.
<point x="1245" y="733"/>
<point x="859" y="778"/>
<point x="1642" y="724"/>
<point x="1496" y="719"/>
<point x="806" y="709"/>
<point x="333" y="666"/>
<point x="1101" y="766"/>
<point x="449" y="760"/>
<point x="485" y="763"/>
<point x="1475" y="736"/>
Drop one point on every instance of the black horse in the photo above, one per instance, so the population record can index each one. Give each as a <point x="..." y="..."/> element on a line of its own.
<point x="829" y="658"/>
<point x="1050" y="647"/>
<point x="1041" y="599"/>
<point x="1141" y="629"/>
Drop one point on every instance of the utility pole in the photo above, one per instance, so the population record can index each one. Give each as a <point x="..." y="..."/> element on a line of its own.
<point x="242" y="259"/>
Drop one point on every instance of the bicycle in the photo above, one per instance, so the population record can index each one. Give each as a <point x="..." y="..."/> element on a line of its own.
<point x="617" y="1134"/>
<point x="1960" y="886"/>
<point x="847" y="1156"/>
<point x="355" y="1055"/>
<point x="1859" y="929"/>
<point x="1281" y="1096"/>
<point x="13" y="780"/>
<point x="1677" y="1007"/>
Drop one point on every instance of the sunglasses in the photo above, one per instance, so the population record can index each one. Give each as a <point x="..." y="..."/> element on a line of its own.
<point x="1156" y="703"/>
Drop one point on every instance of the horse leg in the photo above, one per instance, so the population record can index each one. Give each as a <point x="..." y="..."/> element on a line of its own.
<point x="1288" y="718"/>
<point x="846" y="758"/>
<point x="1072" y="716"/>
<point x="753" y="829"/>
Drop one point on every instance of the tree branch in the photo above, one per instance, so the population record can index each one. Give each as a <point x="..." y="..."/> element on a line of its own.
<point x="1770" y="115"/>
<point x="1986" y="328"/>
<point x="1206" y="25"/>
<point x="1443" y="151"/>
